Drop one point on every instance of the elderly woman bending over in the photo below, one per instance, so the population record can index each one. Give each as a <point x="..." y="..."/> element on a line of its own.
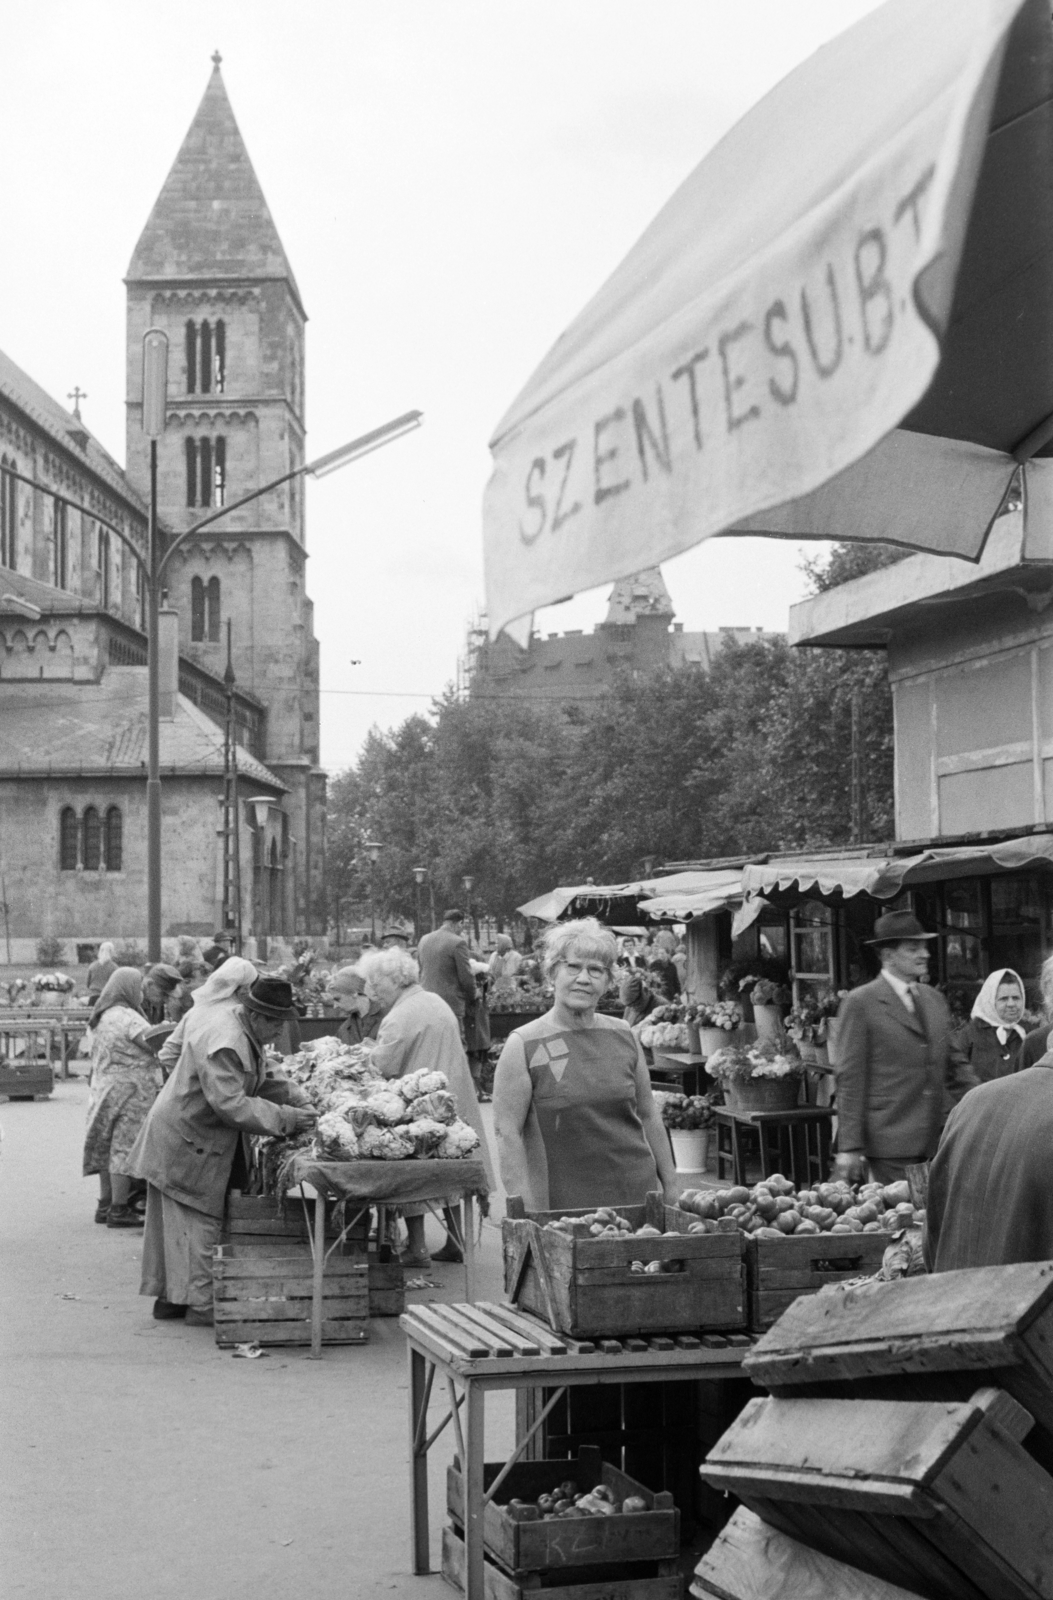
<point x="420" y="1030"/>
<point x="575" y="1120"/>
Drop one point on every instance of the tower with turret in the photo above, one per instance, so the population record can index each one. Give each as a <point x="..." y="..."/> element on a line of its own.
<point x="211" y="271"/>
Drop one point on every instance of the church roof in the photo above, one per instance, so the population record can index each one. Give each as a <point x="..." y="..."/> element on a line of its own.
<point x="210" y="220"/>
<point x="64" y="428"/>
<point x="644" y="594"/>
<point x="62" y="727"/>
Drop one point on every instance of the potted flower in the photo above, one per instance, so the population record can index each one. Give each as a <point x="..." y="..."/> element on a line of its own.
<point x="769" y="1000"/>
<point x="829" y="1005"/>
<point x="688" y="1119"/>
<point x="757" y="1077"/>
<point x="716" y="1020"/>
<point x="803" y="1025"/>
<point x="56" y="984"/>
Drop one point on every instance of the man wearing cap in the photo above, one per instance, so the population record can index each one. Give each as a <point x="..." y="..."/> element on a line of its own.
<point x="362" y="1016"/>
<point x="897" y="1059"/>
<point x="445" y="967"/>
<point x="189" y="1147"/>
<point x="394" y="939"/>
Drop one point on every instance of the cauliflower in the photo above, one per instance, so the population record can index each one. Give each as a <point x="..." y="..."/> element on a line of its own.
<point x="335" y="1139"/>
<point x="414" y="1084"/>
<point x="439" y="1105"/>
<point x="385" y="1144"/>
<point x="460" y="1140"/>
<point x="388" y="1108"/>
<point x="426" y="1134"/>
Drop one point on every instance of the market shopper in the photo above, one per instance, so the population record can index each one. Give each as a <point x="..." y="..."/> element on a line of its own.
<point x="445" y="964"/>
<point x="897" y="1059"/>
<point x="1037" y="1041"/>
<point x="189" y="1147"/>
<point x="101" y="971"/>
<point x="420" y="1030"/>
<point x="575" y="1120"/>
<point x="160" y="986"/>
<point x="994" y="1037"/>
<point x="990" y="1201"/>
<point x="361" y="1015"/>
<point x="125" y="1080"/>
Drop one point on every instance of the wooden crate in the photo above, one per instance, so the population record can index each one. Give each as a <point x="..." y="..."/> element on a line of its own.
<point x="658" y="1580"/>
<point x="267" y="1298"/>
<point x="25" y="1083"/>
<point x="779" y="1271"/>
<point x="750" y="1561"/>
<point x="585" y="1287"/>
<point x="259" y="1216"/>
<point x="387" y="1279"/>
<point x="933" y="1337"/>
<point x="652" y="1535"/>
<point x="939" y="1498"/>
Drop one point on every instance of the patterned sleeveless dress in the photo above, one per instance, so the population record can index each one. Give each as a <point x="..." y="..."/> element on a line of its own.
<point x="584" y="1128"/>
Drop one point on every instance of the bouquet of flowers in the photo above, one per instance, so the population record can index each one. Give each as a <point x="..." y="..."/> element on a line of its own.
<point x="766" y="992"/>
<point x="687" y="1112"/>
<point x="723" y="1014"/>
<point x="663" y="1035"/>
<point x="739" y="1065"/>
<point x="53" y="982"/>
<point x="807" y="1023"/>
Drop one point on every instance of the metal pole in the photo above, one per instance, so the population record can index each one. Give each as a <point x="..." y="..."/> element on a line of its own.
<point x="153" y="773"/>
<point x="419" y="929"/>
<point x="372" y="902"/>
<point x="231" y="819"/>
<point x="858" y="824"/>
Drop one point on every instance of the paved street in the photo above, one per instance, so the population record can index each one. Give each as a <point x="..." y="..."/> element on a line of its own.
<point x="142" y="1463"/>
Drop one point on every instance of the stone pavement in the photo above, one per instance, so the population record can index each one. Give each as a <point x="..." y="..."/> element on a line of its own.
<point x="139" y="1462"/>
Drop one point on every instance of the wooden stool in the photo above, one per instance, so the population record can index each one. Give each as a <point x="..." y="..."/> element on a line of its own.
<point x="795" y="1143"/>
<point x="734" y="1131"/>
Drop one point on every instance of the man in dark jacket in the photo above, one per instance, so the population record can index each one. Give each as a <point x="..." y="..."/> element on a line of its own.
<point x="897" y="1059"/>
<point x="444" y="965"/>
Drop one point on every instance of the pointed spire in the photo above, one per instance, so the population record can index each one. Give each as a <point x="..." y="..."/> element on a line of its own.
<point x="210" y="219"/>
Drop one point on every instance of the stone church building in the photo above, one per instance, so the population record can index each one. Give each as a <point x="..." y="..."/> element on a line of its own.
<point x="210" y="270"/>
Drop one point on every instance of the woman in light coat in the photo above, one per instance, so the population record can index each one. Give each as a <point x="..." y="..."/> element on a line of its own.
<point x="420" y="1030"/>
<point x="124" y="1085"/>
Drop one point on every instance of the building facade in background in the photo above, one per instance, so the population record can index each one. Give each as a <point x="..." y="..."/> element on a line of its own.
<point x="638" y="636"/>
<point x="210" y="270"/>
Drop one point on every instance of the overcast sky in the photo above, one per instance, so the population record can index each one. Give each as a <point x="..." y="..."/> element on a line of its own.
<point x="452" y="180"/>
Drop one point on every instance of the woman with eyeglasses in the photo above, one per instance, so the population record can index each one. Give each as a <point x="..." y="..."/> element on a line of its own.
<point x="574" y="1117"/>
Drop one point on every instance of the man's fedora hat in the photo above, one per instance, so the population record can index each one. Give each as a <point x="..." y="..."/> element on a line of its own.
<point x="271" y="997"/>
<point x="895" y="926"/>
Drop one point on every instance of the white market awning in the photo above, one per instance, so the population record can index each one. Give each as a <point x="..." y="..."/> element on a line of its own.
<point x="840" y="326"/>
<point x="882" y="877"/>
<point x="593" y="899"/>
<point x="722" y="893"/>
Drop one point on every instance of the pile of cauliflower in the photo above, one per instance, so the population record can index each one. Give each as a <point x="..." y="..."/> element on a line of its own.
<point x="363" y="1115"/>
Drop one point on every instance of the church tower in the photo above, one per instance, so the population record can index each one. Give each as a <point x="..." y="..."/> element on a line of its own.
<point x="210" y="269"/>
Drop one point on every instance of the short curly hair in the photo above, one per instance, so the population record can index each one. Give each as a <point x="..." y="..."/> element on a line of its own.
<point x="393" y="963"/>
<point x="586" y="937"/>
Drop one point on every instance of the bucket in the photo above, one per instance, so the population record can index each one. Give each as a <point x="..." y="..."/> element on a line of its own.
<point x="690" y="1148"/>
<point x="763" y="1094"/>
<point x="768" y="1019"/>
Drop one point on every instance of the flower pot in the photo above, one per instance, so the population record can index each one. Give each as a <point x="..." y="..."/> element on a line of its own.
<point x="690" y="1148"/>
<point x="833" y="1028"/>
<point x="763" y="1094"/>
<point x="710" y="1040"/>
<point x="768" y="1019"/>
<point x="694" y="1043"/>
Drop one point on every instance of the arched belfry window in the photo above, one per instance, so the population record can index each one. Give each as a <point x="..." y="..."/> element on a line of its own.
<point x="197" y="610"/>
<point x="191" y="472"/>
<point x="114" y="840"/>
<point x="206" y="471"/>
<point x="204" y="466"/>
<point x="191" y="358"/>
<point x="8" y="514"/>
<point x="219" y="356"/>
<point x="205" y="353"/>
<point x="92" y="840"/>
<point x="68" y="831"/>
<point x="206" y="357"/>
<point x="212" y="610"/>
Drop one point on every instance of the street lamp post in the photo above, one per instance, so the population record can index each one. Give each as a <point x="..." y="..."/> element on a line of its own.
<point x="419" y="875"/>
<point x="373" y="847"/>
<point x="155" y="401"/>
<point x="467" y="881"/>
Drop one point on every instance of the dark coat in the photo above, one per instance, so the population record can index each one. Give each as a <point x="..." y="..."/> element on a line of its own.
<point x="990" y="1201"/>
<point x="354" y="1028"/>
<point x="894" y="1070"/>
<point x="445" y="968"/>
<point x="989" y="1059"/>
<point x="1034" y="1047"/>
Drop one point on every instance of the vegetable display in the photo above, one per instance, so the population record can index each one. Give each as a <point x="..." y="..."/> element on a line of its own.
<point x="773" y="1208"/>
<point x="364" y="1116"/>
<point x="567" y="1501"/>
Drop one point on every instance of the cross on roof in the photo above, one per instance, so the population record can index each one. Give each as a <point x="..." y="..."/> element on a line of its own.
<point x="77" y="394"/>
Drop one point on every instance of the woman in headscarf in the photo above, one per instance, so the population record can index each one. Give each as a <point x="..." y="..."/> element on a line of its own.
<point x="225" y="987"/>
<point x="361" y="1015"/>
<point x="124" y="1085"/>
<point x="994" y="1036"/>
<point x="101" y="971"/>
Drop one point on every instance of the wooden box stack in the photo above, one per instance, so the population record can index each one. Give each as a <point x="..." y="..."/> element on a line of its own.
<point x="908" y="1433"/>
<point x="779" y="1271"/>
<point x="633" y="1557"/>
<point x="586" y="1287"/>
<point x="255" y="1222"/>
<point x="267" y="1298"/>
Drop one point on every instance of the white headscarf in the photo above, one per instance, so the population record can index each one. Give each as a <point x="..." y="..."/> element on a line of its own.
<point x="223" y="985"/>
<point x="984" y="1005"/>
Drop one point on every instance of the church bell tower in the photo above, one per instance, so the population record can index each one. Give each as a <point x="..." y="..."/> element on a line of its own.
<point x="210" y="269"/>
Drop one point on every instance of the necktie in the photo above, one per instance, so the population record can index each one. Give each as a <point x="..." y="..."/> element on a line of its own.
<point x="909" y="1000"/>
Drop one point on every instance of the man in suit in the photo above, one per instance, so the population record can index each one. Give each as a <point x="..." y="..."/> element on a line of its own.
<point x="897" y="1059"/>
<point x="444" y="965"/>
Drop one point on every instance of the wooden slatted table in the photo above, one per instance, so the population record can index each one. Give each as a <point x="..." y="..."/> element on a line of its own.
<point x="483" y="1347"/>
